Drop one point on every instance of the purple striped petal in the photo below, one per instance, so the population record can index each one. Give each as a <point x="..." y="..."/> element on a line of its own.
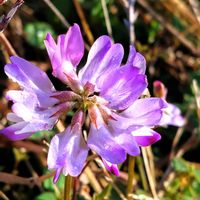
<point x="67" y="152"/>
<point x="30" y="99"/>
<point x="146" y="112"/>
<point x="28" y="75"/>
<point x="128" y="143"/>
<point x="102" y="142"/>
<point x="102" y="57"/>
<point x="69" y="50"/>
<point x="123" y="87"/>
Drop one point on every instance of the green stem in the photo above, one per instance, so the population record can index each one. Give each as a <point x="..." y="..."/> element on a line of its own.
<point x="142" y="173"/>
<point x="68" y="188"/>
<point x="131" y="164"/>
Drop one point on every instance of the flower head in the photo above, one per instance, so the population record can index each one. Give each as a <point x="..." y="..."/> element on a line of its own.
<point x="104" y="90"/>
<point x="119" y="121"/>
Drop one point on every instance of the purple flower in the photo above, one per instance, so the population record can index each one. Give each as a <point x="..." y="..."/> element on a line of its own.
<point x="172" y="114"/>
<point x="120" y="122"/>
<point x="104" y="89"/>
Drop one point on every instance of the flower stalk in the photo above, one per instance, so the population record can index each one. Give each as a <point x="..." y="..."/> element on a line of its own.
<point x="68" y="188"/>
<point x="131" y="165"/>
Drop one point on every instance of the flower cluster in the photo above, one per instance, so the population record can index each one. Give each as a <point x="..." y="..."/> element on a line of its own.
<point x="104" y="90"/>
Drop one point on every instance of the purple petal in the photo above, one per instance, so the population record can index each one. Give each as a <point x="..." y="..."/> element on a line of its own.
<point x="172" y="116"/>
<point x="57" y="175"/>
<point x="36" y="126"/>
<point x="123" y="87"/>
<point x="67" y="53"/>
<point x="28" y="115"/>
<point x="128" y="143"/>
<point x="13" y="117"/>
<point x="102" y="57"/>
<point x="111" y="167"/>
<point x="50" y="45"/>
<point x="68" y="151"/>
<point x="28" y="75"/>
<point x="145" y="136"/>
<point x="70" y="46"/>
<point x="137" y="60"/>
<point x="102" y="142"/>
<point x="73" y="47"/>
<point x="31" y="99"/>
<point x="11" y="132"/>
<point x="145" y="112"/>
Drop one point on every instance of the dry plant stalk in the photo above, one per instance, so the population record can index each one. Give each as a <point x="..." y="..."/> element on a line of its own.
<point x="84" y="23"/>
<point x="5" y="19"/>
<point x="197" y="97"/>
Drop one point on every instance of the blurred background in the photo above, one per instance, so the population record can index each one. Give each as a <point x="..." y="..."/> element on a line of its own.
<point x="167" y="33"/>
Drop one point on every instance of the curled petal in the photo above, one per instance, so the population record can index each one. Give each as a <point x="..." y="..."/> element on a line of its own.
<point x="11" y="132"/>
<point x="145" y="136"/>
<point x="111" y="167"/>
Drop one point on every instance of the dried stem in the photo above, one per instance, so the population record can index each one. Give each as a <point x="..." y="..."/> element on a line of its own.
<point x="169" y="27"/>
<point x="132" y="18"/>
<point x="151" y="162"/>
<point x="107" y="18"/>
<point x="195" y="7"/>
<point x="94" y="183"/>
<point x="131" y="164"/>
<point x="197" y="97"/>
<point x="149" y="174"/>
<point x="3" y="196"/>
<point x="182" y="39"/>
<point x="5" y="19"/>
<point x="142" y="173"/>
<point x="68" y="188"/>
<point x="84" y="22"/>
<point x="74" y="188"/>
<point x="57" y="13"/>
<point x="121" y="195"/>
<point x="6" y="44"/>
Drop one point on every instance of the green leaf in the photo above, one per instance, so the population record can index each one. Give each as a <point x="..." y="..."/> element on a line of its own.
<point x="105" y="193"/>
<point x="153" y="31"/>
<point x="196" y="174"/>
<point x="46" y="196"/>
<point x="180" y="165"/>
<point x="36" y="33"/>
<point x="49" y="185"/>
